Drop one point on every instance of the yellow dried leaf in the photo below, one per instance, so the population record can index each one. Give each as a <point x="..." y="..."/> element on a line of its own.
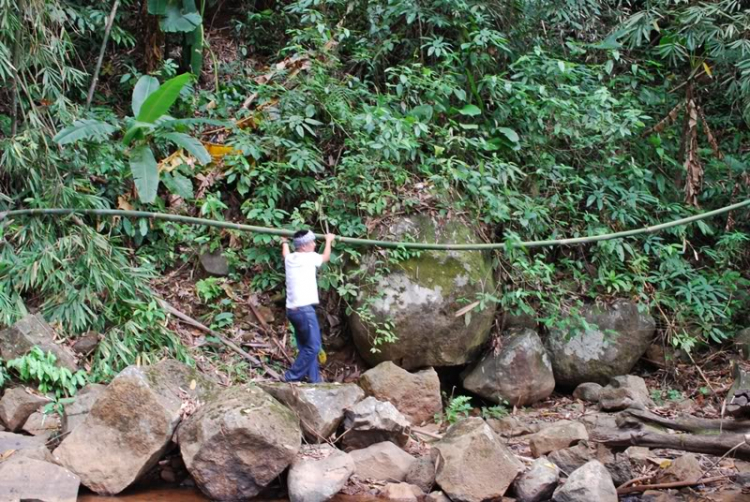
<point x="247" y="122"/>
<point x="171" y="162"/>
<point x="193" y="383"/>
<point x="708" y="70"/>
<point x="664" y="464"/>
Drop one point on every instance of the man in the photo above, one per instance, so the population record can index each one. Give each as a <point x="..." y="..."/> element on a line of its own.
<point x="301" y="298"/>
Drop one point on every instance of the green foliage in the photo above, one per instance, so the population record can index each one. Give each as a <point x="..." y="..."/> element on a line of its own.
<point x="498" y="411"/>
<point x="456" y="409"/>
<point x="39" y="368"/>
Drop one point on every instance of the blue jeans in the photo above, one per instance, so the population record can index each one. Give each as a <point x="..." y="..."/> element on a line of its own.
<point x="307" y="333"/>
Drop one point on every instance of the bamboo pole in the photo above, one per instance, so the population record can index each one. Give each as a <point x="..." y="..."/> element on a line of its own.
<point x="371" y="242"/>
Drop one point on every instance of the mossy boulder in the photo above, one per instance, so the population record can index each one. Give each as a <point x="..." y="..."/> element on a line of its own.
<point x="617" y="336"/>
<point x="421" y="296"/>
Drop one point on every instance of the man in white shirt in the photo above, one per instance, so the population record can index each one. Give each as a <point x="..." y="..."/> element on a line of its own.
<point x="301" y="298"/>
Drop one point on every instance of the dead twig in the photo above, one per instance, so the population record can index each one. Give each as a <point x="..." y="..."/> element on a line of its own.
<point x="661" y="486"/>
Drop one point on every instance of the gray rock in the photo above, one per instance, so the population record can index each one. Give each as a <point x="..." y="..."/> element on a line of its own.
<point x="30" y="479"/>
<point x="238" y="442"/>
<point x="371" y="421"/>
<point x="421" y="297"/>
<point x="683" y="468"/>
<point x="24" y="446"/>
<point x="402" y="492"/>
<point x="17" y="405"/>
<point x="521" y="374"/>
<point x="586" y="484"/>
<point x="570" y="459"/>
<point x="556" y="437"/>
<point x="473" y="464"/>
<point x="86" y="343"/>
<point x="742" y="341"/>
<point x="624" y="392"/>
<point x="512" y="426"/>
<point x="76" y="412"/>
<point x="437" y="497"/>
<point x="622" y="336"/>
<point x="638" y="455"/>
<point x="422" y="474"/>
<point x="41" y="424"/>
<point x="215" y="263"/>
<point x="589" y="392"/>
<point x="382" y="462"/>
<point x="33" y="331"/>
<point x="416" y="395"/>
<point x="599" y="425"/>
<point x="319" y="474"/>
<point x="130" y="426"/>
<point x="320" y="407"/>
<point x="538" y="483"/>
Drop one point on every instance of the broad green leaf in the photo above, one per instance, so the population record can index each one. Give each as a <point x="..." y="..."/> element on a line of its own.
<point x="157" y="7"/>
<point x="94" y="130"/>
<point x="161" y="100"/>
<point x="176" y="21"/>
<point x="509" y="133"/>
<point x="470" y="110"/>
<point x="165" y="122"/>
<point x="136" y="131"/>
<point x="145" y="173"/>
<point x="146" y="86"/>
<point x="195" y="40"/>
<point x="192" y="145"/>
<point x="179" y="185"/>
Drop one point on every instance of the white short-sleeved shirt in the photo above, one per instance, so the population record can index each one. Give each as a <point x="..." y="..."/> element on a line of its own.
<point x="301" y="280"/>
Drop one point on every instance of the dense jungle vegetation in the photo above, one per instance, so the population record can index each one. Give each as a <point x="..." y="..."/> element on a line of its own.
<point x="530" y="119"/>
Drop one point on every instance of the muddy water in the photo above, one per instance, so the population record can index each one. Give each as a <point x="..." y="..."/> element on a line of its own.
<point x="171" y="494"/>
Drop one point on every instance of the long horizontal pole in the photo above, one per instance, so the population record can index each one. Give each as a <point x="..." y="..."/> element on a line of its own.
<point x="371" y="242"/>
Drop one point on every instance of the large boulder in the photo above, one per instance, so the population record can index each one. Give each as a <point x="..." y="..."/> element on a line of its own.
<point x="521" y="374"/>
<point x="538" y="483"/>
<point x="416" y="395"/>
<point x="618" y="336"/>
<point x="421" y="296"/>
<point x="30" y="479"/>
<point x="371" y="421"/>
<point x="586" y="484"/>
<point x="238" y="442"/>
<point x="473" y="464"/>
<point x="17" y="405"/>
<point x="383" y="462"/>
<point x="319" y="474"/>
<point x="75" y="413"/>
<point x="33" y="331"/>
<point x="130" y="426"/>
<point x="320" y="407"/>
<point x="17" y="445"/>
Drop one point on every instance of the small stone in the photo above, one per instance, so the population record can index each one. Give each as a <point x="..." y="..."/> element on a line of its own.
<point x="41" y="424"/>
<point x="511" y="427"/>
<point x="87" y="343"/>
<point x="473" y="464"/>
<point x="402" y="492"/>
<point x="638" y="454"/>
<point x="17" y="405"/>
<point x="371" y="421"/>
<point x="599" y="425"/>
<point x="416" y="395"/>
<point x="437" y="497"/>
<point x="742" y="341"/>
<point x="560" y="435"/>
<point x="320" y="477"/>
<point x="538" y="483"/>
<point x="684" y="468"/>
<point x="624" y="392"/>
<point x="215" y="263"/>
<point x="589" y="483"/>
<point x="683" y="405"/>
<point x="31" y="480"/>
<point x="168" y="475"/>
<point x="570" y="459"/>
<point x="663" y="496"/>
<point x="588" y="392"/>
<point x="382" y="462"/>
<point x="422" y="474"/>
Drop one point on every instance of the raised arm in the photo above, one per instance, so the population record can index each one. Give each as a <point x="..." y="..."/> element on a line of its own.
<point x="284" y="247"/>
<point x="327" y="251"/>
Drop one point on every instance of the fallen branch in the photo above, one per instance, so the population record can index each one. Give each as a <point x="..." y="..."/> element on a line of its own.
<point x="102" y="50"/>
<point x="718" y="444"/>
<point x="685" y="423"/>
<point x="189" y="320"/>
<point x="624" y="490"/>
<point x="269" y="333"/>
